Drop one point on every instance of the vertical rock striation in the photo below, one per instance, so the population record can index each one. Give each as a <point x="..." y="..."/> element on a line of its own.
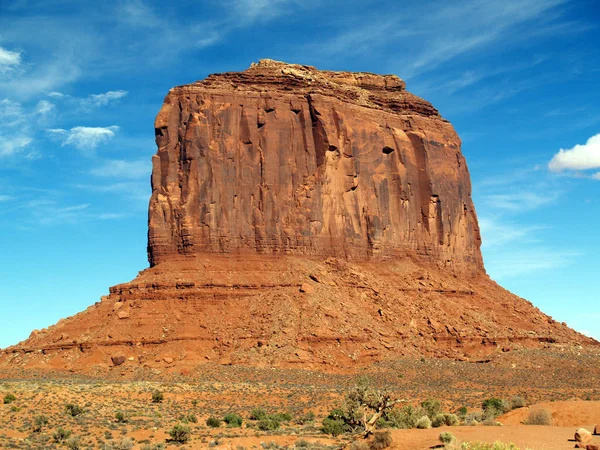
<point x="287" y="159"/>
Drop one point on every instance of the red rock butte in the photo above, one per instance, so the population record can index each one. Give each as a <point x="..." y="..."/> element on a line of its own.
<point x="305" y="217"/>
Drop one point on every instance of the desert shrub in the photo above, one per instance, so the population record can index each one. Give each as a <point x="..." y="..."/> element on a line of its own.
<point x="438" y="420"/>
<point x="307" y="418"/>
<point x="538" y="417"/>
<point x="485" y="446"/>
<point x="284" y="417"/>
<point x="180" y="433"/>
<point x="517" y="402"/>
<point x="9" y="398"/>
<point x="462" y="411"/>
<point x="493" y="407"/>
<point x="125" y="444"/>
<point x="447" y="437"/>
<point x="39" y="422"/>
<point x="61" y="435"/>
<point x="233" y="420"/>
<point x="359" y="445"/>
<point x="73" y="443"/>
<point x="381" y="440"/>
<point x="189" y="418"/>
<point x="269" y="423"/>
<point x="157" y="396"/>
<point x="73" y="410"/>
<point x="334" y="427"/>
<point x="473" y="418"/>
<point x="302" y="443"/>
<point x="120" y="417"/>
<point x="432" y="407"/>
<point x="423" y="423"/>
<point x="405" y="417"/>
<point x="213" y="422"/>
<point x="258" y="413"/>
<point x="451" y="419"/>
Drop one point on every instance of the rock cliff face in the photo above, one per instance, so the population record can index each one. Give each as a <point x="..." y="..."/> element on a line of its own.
<point x="300" y="217"/>
<point x="286" y="159"/>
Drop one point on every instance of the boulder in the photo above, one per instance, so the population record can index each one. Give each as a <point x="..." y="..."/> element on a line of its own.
<point x="583" y="436"/>
<point x="117" y="360"/>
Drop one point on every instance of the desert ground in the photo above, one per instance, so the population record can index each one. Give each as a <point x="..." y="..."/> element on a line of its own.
<point x="119" y="411"/>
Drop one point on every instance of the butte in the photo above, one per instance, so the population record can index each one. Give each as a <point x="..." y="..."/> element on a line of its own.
<point x="300" y="217"/>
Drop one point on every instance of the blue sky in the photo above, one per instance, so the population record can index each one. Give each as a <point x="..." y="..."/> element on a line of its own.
<point x="81" y="83"/>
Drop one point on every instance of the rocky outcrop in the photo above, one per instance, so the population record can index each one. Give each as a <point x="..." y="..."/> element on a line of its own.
<point x="286" y="159"/>
<point x="301" y="217"/>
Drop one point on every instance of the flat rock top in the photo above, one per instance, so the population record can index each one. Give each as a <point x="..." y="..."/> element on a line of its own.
<point x="385" y="92"/>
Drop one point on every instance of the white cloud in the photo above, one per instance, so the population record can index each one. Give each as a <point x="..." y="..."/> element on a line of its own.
<point x="122" y="169"/>
<point x="9" y="59"/>
<point x="580" y="157"/>
<point x="12" y="145"/>
<point x="103" y="99"/>
<point x="5" y="198"/>
<point x="498" y="232"/>
<point x="516" y="262"/>
<point x="84" y="138"/>
<point x="11" y="113"/>
<point x="521" y="201"/>
<point x="44" y="107"/>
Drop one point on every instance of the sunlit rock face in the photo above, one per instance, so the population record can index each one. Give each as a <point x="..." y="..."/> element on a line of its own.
<point x="288" y="159"/>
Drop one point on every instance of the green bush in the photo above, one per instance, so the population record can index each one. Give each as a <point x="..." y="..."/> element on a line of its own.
<point x="484" y="446"/>
<point x="517" y="402"/>
<point x="61" y="435"/>
<point x="257" y="414"/>
<point x="73" y="410"/>
<point x="189" y="418"/>
<point x="213" y="422"/>
<point x="423" y="423"/>
<point x="269" y="423"/>
<point x="307" y="418"/>
<point x="73" y="443"/>
<point x="381" y="440"/>
<point x="233" y="420"/>
<point x="405" y="417"/>
<point x="538" y="417"/>
<point x="180" y="433"/>
<point x="284" y="417"/>
<point x="120" y="417"/>
<point x="462" y="411"/>
<point x="334" y="427"/>
<point x="431" y="407"/>
<point x="157" y="396"/>
<point x="39" y="422"/>
<point x="9" y="398"/>
<point x="493" y="407"/>
<point x="438" y="420"/>
<point x="447" y="437"/>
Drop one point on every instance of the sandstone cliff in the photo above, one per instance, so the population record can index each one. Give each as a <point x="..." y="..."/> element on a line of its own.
<point x="286" y="159"/>
<point x="300" y="217"/>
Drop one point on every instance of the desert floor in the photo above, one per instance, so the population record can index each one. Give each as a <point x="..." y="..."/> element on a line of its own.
<point x="565" y="382"/>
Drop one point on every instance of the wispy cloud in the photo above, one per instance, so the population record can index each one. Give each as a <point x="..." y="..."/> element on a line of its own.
<point x="122" y="169"/>
<point x="498" y="232"/>
<point x="515" y="262"/>
<point x="521" y="200"/>
<point x="103" y="99"/>
<point x="580" y="157"/>
<point x="9" y="59"/>
<point x="11" y="145"/>
<point x="48" y="212"/>
<point x="85" y="139"/>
